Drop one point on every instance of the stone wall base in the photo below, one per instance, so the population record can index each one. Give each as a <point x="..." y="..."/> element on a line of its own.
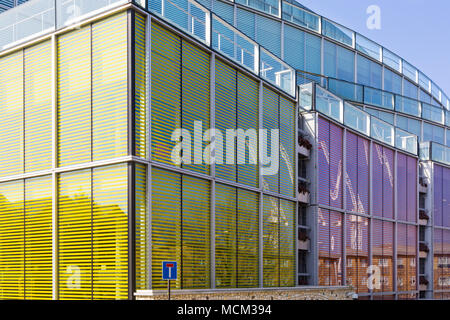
<point x="297" y="293"/>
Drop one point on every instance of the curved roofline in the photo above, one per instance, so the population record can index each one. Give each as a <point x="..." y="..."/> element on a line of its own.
<point x="402" y="66"/>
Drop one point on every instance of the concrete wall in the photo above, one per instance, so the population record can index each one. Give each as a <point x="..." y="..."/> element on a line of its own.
<point x="299" y="293"/>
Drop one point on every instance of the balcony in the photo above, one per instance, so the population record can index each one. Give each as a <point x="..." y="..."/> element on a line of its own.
<point x="303" y="194"/>
<point x="423" y="283"/>
<point x="423" y="250"/>
<point x="423" y="186"/>
<point x="303" y="242"/>
<point x="423" y="217"/>
<point x="304" y="147"/>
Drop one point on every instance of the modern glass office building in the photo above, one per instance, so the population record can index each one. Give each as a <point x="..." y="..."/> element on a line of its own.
<point x="112" y="110"/>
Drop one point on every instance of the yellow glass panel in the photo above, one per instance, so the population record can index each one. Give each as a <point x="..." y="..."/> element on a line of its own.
<point x="11" y="114"/>
<point x="287" y="243"/>
<point x="109" y="88"/>
<point x="247" y="238"/>
<point x="226" y="251"/>
<point x="110" y="232"/>
<point x="141" y="228"/>
<point x="75" y="235"/>
<point x="166" y="224"/>
<point x="74" y="97"/>
<point x="271" y="242"/>
<point x="195" y="233"/>
<point x="140" y="86"/>
<point x="11" y="240"/>
<point x="38" y="107"/>
<point x="38" y="238"/>
<point x="166" y="89"/>
<point x="195" y="98"/>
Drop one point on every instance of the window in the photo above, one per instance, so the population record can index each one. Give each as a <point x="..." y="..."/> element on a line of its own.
<point x="409" y="89"/>
<point x="181" y="228"/>
<point x="409" y="124"/>
<point x="369" y="73"/>
<point x="392" y="82"/>
<point x="237" y="242"/>
<point x="433" y="133"/>
<point x="269" y="34"/>
<point x="338" y="62"/>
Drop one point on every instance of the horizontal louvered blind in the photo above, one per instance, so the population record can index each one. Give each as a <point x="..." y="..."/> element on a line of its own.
<point x="140" y="85"/>
<point x="287" y="243"/>
<point x="166" y="88"/>
<point x="75" y="235"/>
<point x="195" y="99"/>
<point x="11" y="114"/>
<point x="38" y="107"/>
<point x="225" y="111"/>
<point x="226" y="254"/>
<point x="270" y="122"/>
<point x="195" y="233"/>
<point x="74" y="97"/>
<point x="141" y="228"/>
<point x="287" y="147"/>
<point x="109" y="88"/>
<point x="166" y="226"/>
<point x="110" y="232"/>
<point x="11" y="240"/>
<point x="271" y="270"/>
<point x="38" y="238"/>
<point x="248" y="119"/>
<point x="247" y="238"/>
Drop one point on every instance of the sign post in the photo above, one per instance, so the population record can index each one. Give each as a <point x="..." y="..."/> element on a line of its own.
<point x="169" y="272"/>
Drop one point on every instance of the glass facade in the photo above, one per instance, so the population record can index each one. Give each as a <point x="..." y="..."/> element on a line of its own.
<point x="367" y="174"/>
<point x="105" y="162"/>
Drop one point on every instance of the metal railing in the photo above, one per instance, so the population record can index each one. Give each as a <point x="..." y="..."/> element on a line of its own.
<point x="380" y="98"/>
<point x="222" y="37"/>
<point x="433" y="151"/>
<point x="38" y="17"/>
<point x="332" y="30"/>
<point x="313" y="97"/>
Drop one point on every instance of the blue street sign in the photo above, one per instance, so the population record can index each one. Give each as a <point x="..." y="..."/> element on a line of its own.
<point x="169" y="270"/>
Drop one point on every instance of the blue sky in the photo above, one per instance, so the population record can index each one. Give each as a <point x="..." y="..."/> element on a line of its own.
<point x="416" y="30"/>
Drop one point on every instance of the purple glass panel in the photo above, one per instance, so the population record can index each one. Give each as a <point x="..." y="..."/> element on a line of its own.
<point x="377" y="246"/>
<point x="446" y="197"/>
<point x="336" y="248"/>
<point x="363" y="175"/>
<point x="377" y="180"/>
<point x="336" y="174"/>
<point x="402" y="182"/>
<point x="446" y="259"/>
<point x="438" y="190"/>
<point x="402" y="257"/>
<point x="388" y="183"/>
<point x="438" y="254"/>
<point x="324" y="161"/>
<point x="351" y="172"/>
<point x="412" y="258"/>
<point x="324" y="246"/>
<point x="388" y="256"/>
<point x="411" y="188"/>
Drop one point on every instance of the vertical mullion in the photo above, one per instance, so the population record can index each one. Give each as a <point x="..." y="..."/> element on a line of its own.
<point x="131" y="84"/>
<point x="55" y="280"/>
<point x="131" y="230"/>
<point x="213" y="172"/>
<point x="260" y="185"/>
